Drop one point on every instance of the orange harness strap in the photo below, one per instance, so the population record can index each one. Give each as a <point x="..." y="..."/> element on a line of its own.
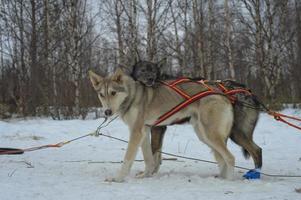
<point x="280" y="116"/>
<point x="190" y="99"/>
<point x="173" y="85"/>
<point x="20" y="151"/>
<point x="222" y="90"/>
<point x="183" y="105"/>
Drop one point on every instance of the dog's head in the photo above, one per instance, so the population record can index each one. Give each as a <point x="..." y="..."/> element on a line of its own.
<point x="147" y="72"/>
<point x="111" y="90"/>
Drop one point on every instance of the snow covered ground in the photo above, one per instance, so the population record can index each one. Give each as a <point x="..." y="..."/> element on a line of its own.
<point x="77" y="170"/>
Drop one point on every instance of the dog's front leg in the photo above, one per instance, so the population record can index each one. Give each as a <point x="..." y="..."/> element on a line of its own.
<point x="147" y="155"/>
<point x="136" y="137"/>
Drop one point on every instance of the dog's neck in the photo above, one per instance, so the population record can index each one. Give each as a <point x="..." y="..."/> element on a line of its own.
<point x="127" y="103"/>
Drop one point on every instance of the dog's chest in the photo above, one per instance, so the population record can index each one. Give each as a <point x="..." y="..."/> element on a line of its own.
<point x="131" y="116"/>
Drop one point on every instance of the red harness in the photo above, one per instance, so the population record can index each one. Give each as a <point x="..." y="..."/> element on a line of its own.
<point x="221" y="89"/>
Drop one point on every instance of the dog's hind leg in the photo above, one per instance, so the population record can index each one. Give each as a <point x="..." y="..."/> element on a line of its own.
<point x="227" y="168"/>
<point x="248" y="145"/>
<point x="223" y="156"/>
<point x="221" y="163"/>
<point x="215" y="132"/>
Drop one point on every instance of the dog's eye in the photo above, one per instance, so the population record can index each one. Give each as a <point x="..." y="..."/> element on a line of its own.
<point x="101" y="94"/>
<point x="113" y="93"/>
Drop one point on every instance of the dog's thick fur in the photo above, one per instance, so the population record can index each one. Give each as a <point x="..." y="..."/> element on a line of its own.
<point x="140" y="106"/>
<point x="246" y="112"/>
<point x="147" y="72"/>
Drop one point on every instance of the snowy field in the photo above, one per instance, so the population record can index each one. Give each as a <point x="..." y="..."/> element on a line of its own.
<point x="77" y="170"/>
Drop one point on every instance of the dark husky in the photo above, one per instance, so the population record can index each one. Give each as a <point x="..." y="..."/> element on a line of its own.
<point x="246" y="113"/>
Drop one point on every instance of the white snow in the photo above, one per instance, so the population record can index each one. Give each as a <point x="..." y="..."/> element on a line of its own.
<point x="69" y="172"/>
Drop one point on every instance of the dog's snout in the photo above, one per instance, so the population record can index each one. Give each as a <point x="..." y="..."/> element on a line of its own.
<point x="108" y="112"/>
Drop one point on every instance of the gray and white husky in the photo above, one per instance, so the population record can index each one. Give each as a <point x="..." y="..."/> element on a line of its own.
<point x="139" y="107"/>
<point x="246" y="112"/>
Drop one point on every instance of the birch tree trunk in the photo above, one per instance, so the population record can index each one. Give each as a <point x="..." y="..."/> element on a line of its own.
<point x="228" y="40"/>
<point x="74" y="54"/>
<point x="178" y="51"/>
<point x="46" y="88"/>
<point x="296" y="71"/>
<point x="34" y="97"/>
<point x="198" y="19"/>
<point x="133" y="32"/>
<point x="151" y="29"/>
<point x="118" y="23"/>
<point x="210" y="68"/>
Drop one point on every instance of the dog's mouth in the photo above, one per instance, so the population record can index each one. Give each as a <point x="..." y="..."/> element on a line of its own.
<point x="150" y="83"/>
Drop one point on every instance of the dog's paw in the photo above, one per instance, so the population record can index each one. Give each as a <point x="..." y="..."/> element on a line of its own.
<point x="156" y="169"/>
<point x="143" y="174"/>
<point x="115" y="179"/>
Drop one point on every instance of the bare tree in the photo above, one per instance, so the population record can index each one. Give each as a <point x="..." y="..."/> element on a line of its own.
<point x="210" y="67"/>
<point x="269" y="45"/>
<point x="296" y="67"/>
<point x="228" y="42"/>
<point x="46" y="47"/>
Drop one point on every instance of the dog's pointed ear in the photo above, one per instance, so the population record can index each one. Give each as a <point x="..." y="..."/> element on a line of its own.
<point x="137" y="57"/>
<point x="94" y="78"/>
<point x="161" y="64"/>
<point x="119" y="75"/>
<point x="125" y="68"/>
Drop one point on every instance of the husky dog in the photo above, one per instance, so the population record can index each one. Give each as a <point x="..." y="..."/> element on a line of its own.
<point x="150" y="73"/>
<point x="146" y="72"/>
<point x="246" y="113"/>
<point x="139" y="107"/>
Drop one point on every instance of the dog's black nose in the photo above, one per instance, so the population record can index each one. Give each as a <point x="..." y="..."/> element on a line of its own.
<point x="108" y="112"/>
